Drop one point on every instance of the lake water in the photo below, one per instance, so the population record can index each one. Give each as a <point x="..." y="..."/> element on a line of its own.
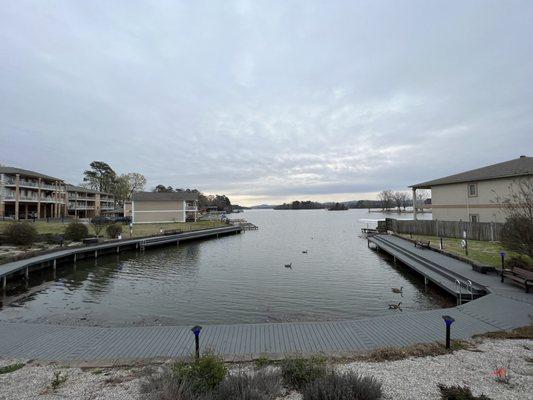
<point x="234" y="279"/>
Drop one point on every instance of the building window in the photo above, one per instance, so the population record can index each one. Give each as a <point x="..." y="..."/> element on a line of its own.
<point x="472" y="190"/>
<point x="474" y="217"/>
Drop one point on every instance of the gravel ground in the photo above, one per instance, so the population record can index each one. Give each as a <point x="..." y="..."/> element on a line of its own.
<point x="414" y="378"/>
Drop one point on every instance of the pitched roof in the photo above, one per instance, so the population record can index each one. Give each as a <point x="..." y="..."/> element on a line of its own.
<point x="72" y="188"/>
<point x="521" y="166"/>
<point x="165" y="196"/>
<point x="25" y="172"/>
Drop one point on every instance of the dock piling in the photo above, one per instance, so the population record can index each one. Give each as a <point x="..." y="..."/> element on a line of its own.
<point x="4" y="283"/>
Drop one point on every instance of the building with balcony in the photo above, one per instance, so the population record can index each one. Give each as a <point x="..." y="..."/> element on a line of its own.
<point x="154" y="207"/>
<point x="28" y="194"/>
<point x="88" y="203"/>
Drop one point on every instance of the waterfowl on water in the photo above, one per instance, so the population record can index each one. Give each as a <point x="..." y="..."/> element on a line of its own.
<point x="304" y="251"/>
<point x="396" y="290"/>
<point x="395" y="306"/>
<point x="288" y="265"/>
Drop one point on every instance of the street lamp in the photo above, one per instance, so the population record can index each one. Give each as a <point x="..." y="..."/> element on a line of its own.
<point x="196" y="330"/>
<point x="502" y="255"/>
<point x="449" y="321"/>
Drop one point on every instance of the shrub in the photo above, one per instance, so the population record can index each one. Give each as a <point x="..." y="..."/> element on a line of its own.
<point x="298" y="372"/>
<point x="262" y="362"/>
<point x="458" y="393"/>
<point x="10" y="368"/>
<point x="114" y="230"/>
<point x="347" y="386"/>
<point x="261" y="385"/>
<point x="76" y="231"/>
<point x="203" y="374"/>
<point x="166" y="386"/>
<point x="20" y="233"/>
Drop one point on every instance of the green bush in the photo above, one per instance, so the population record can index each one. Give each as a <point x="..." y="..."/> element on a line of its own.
<point x="20" y="233"/>
<point x="298" y="372"/>
<point x="10" y="368"/>
<point x="113" y="230"/>
<point x="458" y="393"/>
<point x="347" y="386"/>
<point x="203" y="374"/>
<point x="76" y="231"/>
<point x="261" y="385"/>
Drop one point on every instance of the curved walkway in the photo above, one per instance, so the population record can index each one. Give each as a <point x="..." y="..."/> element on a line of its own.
<point x="504" y="310"/>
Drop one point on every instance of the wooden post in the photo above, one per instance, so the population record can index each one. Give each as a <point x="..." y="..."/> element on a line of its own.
<point x="4" y="283"/>
<point x="75" y="257"/>
<point x="118" y="249"/>
<point x="55" y="265"/>
<point x="96" y="254"/>
<point x="27" y="273"/>
<point x="414" y="204"/>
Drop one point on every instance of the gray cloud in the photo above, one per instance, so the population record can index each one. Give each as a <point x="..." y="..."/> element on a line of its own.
<point x="266" y="101"/>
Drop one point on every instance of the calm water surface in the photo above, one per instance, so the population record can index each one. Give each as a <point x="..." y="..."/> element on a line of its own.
<point x="234" y="279"/>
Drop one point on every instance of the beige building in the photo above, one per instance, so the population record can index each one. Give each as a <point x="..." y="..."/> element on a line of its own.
<point x="154" y="207"/>
<point x="476" y="195"/>
<point x="88" y="203"/>
<point x="27" y="194"/>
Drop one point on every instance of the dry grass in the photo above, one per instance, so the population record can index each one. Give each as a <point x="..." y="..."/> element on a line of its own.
<point x="416" y="351"/>
<point x="525" y="332"/>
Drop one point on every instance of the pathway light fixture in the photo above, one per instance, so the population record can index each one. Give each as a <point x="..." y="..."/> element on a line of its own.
<point x="196" y="330"/>
<point x="448" y="321"/>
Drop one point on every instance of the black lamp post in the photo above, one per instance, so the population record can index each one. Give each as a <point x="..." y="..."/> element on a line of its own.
<point x="196" y="330"/>
<point x="449" y="321"/>
<point x="502" y="255"/>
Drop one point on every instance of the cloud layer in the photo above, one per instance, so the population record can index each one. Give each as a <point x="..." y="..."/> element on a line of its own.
<point x="266" y="101"/>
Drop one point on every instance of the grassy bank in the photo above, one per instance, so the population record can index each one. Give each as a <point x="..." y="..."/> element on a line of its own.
<point x="44" y="227"/>
<point x="484" y="253"/>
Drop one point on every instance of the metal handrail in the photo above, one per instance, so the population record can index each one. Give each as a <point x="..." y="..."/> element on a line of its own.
<point x="460" y="295"/>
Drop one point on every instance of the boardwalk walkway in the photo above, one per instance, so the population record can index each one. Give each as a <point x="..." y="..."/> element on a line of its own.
<point x="504" y="308"/>
<point x="111" y="246"/>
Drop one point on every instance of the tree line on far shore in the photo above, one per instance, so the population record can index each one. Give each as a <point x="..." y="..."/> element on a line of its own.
<point x="102" y="177"/>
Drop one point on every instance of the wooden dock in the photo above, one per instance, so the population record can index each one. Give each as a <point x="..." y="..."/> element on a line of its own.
<point x="505" y="307"/>
<point x="454" y="276"/>
<point x="25" y="266"/>
<point x="245" y="225"/>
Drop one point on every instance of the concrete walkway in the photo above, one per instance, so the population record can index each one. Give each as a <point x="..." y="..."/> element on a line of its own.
<point x="504" y="310"/>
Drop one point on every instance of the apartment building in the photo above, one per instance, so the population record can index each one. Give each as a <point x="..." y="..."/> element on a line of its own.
<point x="88" y="203"/>
<point x="28" y="194"/>
<point x="477" y="195"/>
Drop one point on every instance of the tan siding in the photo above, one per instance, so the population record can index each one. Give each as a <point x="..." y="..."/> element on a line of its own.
<point x="159" y="216"/>
<point x="158" y="211"/>
<point x="452" y="203"/>
<point x="158" y="205"/>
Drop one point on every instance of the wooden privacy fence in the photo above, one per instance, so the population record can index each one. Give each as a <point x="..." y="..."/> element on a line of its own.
<point x="488" y="231"/>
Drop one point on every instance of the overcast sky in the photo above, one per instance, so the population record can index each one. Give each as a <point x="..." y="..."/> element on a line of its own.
<point x="266" y="101"/>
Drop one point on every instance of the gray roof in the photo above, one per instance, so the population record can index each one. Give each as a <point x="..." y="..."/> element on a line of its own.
<point x="25" y="172"/>
<point x="521" y="166"/>
<point x="164" y="196"/>
<point x="72" y="188"/>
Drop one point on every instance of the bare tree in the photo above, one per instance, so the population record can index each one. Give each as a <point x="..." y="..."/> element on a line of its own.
<point x="421" y="197"/>
<point x="517" y="233"/>
<point x="387" y="199"/>
<point x="400" y="200"/>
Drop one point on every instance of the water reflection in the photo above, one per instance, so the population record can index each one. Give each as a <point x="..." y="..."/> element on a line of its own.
<point x="235" y="279"/>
